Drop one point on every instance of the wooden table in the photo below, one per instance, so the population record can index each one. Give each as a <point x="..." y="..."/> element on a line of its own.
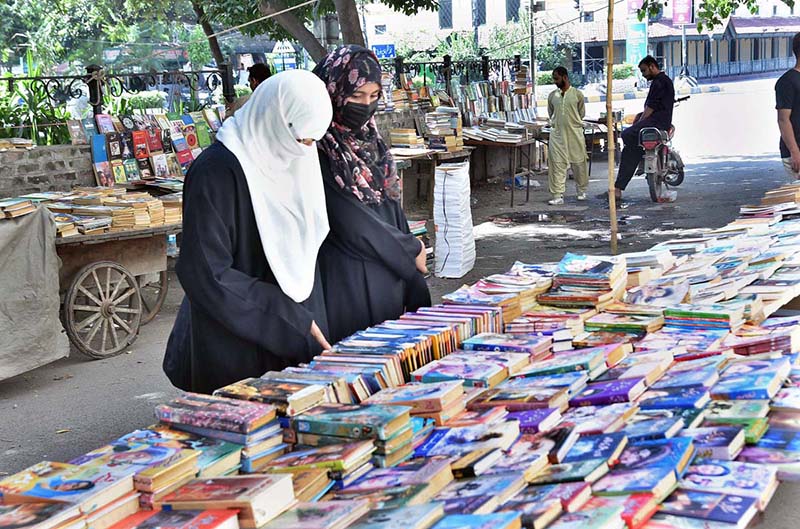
<point x="515" y="154"/>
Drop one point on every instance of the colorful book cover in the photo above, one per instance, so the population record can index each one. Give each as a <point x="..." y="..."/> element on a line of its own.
<point x="103" y="174"/>
<point x="320" y="514"/>
<point x="611" y="392"/>
<point x="717" y="442"/>
<point x="572" y="496"/>
<point x="663" y="428"/>
<point x="574" y="381"/>
<point x="335" y="457"/>
<point x="604" y="446"/>
<point x="185" y="159"/>
<point x="99" y="149"/>
<point x="649" y="480"/>
<point x="420" y="397"/>
<point x="472" y="374"/>
<point x="131" y="170"/>
<point x="599" y="419"/>
<point x="352" y="421"/>
<point x="29" y="514"/>
<point x="89" y="128"/>
<point x="459" y="441"/>
<point x="118" y="170"/>
<point x="173" y="167"/>
<point x="506" y="342"/>
<point x="159" y="163"/>
<point x="141" y="150"/>
<point x="702" y="377"/>
<point x="105" y="124"/>
<point x="637" y="509"/>
<point x="780" y="439"/>
<point x="218" y="413"/>
<point x="674" y="454"/>
<point x="589" y="470"/>
<point x="419" y="516"/>
<point x="70" y="483"/>
<point x="732" y="477"/>
<point x="282" y="395"/>
<point x="479" y="495"/>
<point x="145" y="171"/>
<point x="568" y="361"/>
<point x="522" y="399"/>
<point x="501" y="520"/>
<point x="727" y="508"/>
<point x="688" y="397"/>
<point x="415" y="472"/>
<point x="535" y="420"/>
<point x="746" y="387"/>
<point x="114" y="146"/>
<point x="387" y="498"/>
<point x="154" y="143"/>
<point x="227" y="489"/>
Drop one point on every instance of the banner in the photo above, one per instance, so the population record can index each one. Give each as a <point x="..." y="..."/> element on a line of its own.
<point x="636" y="43"/>
<point x="634" y="6"/>
<point x="682" y="12"/>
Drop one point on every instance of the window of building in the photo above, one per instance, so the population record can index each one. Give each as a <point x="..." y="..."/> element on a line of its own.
<point x="707" y="52"/>
<point x="380" y="29"/>
<point x="512" y="10"/>
<point x="732" y="50"/>
<point x="775" y="47"/>
<point x="445" y="14"/>
<point x="588" y="16"/>
<point x="774" y="10"/>
<point x="756" y="49"/>
<point x="478" y="13"/>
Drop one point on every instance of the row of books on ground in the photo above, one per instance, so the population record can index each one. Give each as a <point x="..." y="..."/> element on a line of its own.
<point x="695" y="421"/>
<point x="131" y="148"/>
<point x="90" y="211"/>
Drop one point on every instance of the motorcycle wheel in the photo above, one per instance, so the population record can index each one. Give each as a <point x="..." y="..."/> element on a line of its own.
<point x="654" y="185"/>
<point x="675" y="176"/>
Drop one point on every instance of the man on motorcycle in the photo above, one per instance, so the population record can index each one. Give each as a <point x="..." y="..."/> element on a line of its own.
<point x="657" y="113"/>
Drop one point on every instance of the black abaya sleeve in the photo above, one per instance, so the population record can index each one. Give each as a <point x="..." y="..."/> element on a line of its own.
<point x="360" y="228"/>
<point x="247" y="306"/>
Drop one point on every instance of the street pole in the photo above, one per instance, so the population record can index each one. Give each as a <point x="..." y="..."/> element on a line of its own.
<point x="533" y="52"/>
<point x="611" y="142"/>
<point x="583" y="42"/>
<point x="684" y="53"/>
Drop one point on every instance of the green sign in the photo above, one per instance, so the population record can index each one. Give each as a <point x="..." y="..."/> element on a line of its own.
<point x="636" y="44"/>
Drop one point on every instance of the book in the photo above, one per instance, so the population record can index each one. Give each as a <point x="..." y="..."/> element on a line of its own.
<point x="76" y="133"/>
<point x="476" y="462"/>
<point x="574" y="381"/>
<point x="611" y="392"/>
<point x="674" y="454"/>
<point x="747" y="387"/>
<point x="599" y="419"/>
<point x="105" y="124"/>
<point x="600" y="518"/>
<point x="728" y="508"/>
<point x="692" y="417"/>
<point x="259" y="498"/>
<point x="479" y="495"/>
<point x="732" y="477"/>
<point x="353" y="421"/>
<point x="588" y="471"/>
<point x="216" y="413"/>
<point x="88" y="487"/>
<point x="462" y="440"/>
<point x="388" y="497"/>
<point x="323" y="514"/>
<point x="408" y="517"/>
<point x="603" y="446"/>
<point x="288" y="398"/>
<point x="509" y="343"/>
<point x="568" y="361"/>
<point x="341" y="457"/>
<point x="434" y="474"/>
<point x="538" y="506"/>
<point x="718" y="442"/>
<point x="535" y="420"/>
<point x="420" y="397"/>
<point x="27" y="513"/>
<point x="503" y="520"/>
<point x="661" y="428"/>
<point x="656" y="480"/>
<point x="196" y="519"/>
<point x="681" y="397"/>
<point x="637" y="509"/>
<point x="89" y="128"/>
<point x="521" y="399"/>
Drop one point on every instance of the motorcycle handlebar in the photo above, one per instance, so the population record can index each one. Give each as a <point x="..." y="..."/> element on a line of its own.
<point x="681" y="99"/>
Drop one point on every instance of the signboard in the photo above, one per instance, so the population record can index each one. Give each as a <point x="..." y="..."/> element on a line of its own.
<point x="384" y="51"/>
<point x="284" y="62"/>
<point x="283" y="47"/>
<point x="636" y="44"/>
<point x="682" y="12"/>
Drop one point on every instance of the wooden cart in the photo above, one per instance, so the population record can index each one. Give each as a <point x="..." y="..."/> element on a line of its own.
<point x="111" y="284"/>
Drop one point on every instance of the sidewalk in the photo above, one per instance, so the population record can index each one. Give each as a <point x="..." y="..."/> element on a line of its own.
<point x="642" y="94"/>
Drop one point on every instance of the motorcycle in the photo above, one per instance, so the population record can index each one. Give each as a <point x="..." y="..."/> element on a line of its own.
<point x="662" y="164"/>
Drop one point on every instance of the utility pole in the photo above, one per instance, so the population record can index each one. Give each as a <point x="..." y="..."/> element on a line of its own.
<point x="583" y="41"/>
<point x="684" y="53"/>
<point x="533" y="48"/>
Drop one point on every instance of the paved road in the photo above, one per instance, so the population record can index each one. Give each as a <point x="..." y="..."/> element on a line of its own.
<point x="728" y="140"/>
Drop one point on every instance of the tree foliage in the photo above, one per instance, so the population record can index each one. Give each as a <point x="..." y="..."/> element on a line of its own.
<point x="711" y="13"/>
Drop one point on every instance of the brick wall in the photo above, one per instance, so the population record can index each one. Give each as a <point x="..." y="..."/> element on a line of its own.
<point x="51" y="168"/>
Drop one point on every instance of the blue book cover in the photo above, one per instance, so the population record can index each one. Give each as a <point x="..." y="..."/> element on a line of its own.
<point x="727" y="508"/>
<point x="747" y="387"/>
<point x="574" y="381"/>
<point x="675" y="454"/>
<point x="478" y="521"/>
<point x="530" y="420"/>
<point x="689" y="397"/>
<point x="99" y="152"/>
<point x="646" y="480"/>
<point x="653" y="429"/>
<point x="613" y="391"/>
<point x="468" y="496"/>
<point x="780" y="439"/>
<point x="604" y="446"/>
<point x="701" y="377"/>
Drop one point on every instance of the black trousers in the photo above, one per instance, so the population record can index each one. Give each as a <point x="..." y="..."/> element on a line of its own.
<point x="632" y="154"/>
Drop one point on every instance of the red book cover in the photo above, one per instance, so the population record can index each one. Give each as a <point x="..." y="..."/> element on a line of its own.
<point x="140" y="145"/>
<point x="154" y="140"/>
<point x="177" y="519"/>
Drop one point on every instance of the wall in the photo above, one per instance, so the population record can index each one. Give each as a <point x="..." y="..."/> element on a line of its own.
<point x="53" y="168"/>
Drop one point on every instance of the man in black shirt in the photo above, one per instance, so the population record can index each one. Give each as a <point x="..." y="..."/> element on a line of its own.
<point x="787" y="102"/>
<point x="657" y="113"/>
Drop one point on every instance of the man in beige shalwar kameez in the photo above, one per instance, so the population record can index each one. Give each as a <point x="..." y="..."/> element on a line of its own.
<point x="567" y="147"/>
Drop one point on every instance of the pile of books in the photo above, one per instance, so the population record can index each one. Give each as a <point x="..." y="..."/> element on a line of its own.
<point x="13" y="208"/>
<point x="16" y="143"/>
<point x="587" y="281"/>
<point x="503" y="100"/>
<point x="452" y="215"/>
<point x="173" y="207"/>
<point x="252" y="425"/>
<point x="406" y="139"/>
<point x="444" y="131"/>
<point x="439" y="401"/>
<point x="135" y="147"/>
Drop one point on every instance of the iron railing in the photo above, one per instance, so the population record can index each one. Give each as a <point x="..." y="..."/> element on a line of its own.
<point x="447" y="71"/>
<point x="97" y="83"/>
<point x="729" y="69"/>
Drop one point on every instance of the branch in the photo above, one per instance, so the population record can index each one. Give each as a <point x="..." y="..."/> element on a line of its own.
<point x="294" y="26"/>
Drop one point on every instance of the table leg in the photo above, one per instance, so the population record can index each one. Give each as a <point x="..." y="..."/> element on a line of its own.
<point x="486" y="163"/>
<point x="512" y="172"/>
<point x="431" y="183"/>
<point x="530" y="169"/>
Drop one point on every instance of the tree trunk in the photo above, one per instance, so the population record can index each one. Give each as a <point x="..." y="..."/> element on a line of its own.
<point x="213" y="43"/>
<point x="295" y="27"/>
<point x="349" y="22"/>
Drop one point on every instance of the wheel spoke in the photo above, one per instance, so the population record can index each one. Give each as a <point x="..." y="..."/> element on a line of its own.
<point x="89" y="295"/>
<point x="100" y="291"/>
<point x="124" y="296"/>
<point x="123" y="324"/>
<point x="105" y="332"/>
<point x="88" y="321"/>
<point x="86" y="308"/>
<point x="93" y="333"/>
<point x="114" y="337"/>
<point x="108" y="283"/>
<point x="116" y="288"/>
<point x="126" y="310"/>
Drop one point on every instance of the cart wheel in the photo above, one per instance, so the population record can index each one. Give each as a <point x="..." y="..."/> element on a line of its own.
<point x="153" y="295"/>
<point x="103" y="310"/>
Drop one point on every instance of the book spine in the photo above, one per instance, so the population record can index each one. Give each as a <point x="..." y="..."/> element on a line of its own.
<point x="349" y="431"/>
<point x="201" y="420"/>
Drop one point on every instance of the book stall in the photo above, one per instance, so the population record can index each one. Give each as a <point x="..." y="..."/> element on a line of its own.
<point x="658" y="389"/>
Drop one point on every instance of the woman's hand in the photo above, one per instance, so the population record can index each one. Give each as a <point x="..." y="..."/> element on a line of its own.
<point x="319" y="337"/>
<point x="422" y="259"/>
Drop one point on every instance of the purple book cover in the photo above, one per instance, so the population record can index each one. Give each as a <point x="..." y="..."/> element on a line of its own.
<point x="529" y="420"/>
<point x="727" y="508"/>
<point x="614" y="391"/>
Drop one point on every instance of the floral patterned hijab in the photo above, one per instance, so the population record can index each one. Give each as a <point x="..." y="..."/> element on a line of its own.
<point x="360" y="160"/>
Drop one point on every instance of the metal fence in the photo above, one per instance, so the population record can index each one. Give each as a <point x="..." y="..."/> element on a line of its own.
<point x="442" y="74"/>
<point x="728" y="69"/>
<point x="97" y="84"/>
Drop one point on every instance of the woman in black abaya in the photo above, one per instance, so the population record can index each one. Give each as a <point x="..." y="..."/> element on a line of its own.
<point x="254" y="219"/>
<point x="372" y="267"/>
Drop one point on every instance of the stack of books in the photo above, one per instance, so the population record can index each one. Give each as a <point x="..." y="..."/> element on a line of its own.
<point x="452" y="216"/>
<point x="65" y="225"/>
<point x="587" y="281"/>
<point x="444" y="130"/>
<point x="406" y="139"/>
<point x="342" y="463"/>
<point x="439" y="401"/>
<point x="539" y="348"/>
<point x="388" y="426"/>
<point x="173" y="208"/>
<point x="693" y="317"/>
<point x="252" y="425"/>
<point x="13" y="208"/>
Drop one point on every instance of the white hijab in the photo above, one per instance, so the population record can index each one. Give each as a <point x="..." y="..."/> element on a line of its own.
<point x="283" y="175"/>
